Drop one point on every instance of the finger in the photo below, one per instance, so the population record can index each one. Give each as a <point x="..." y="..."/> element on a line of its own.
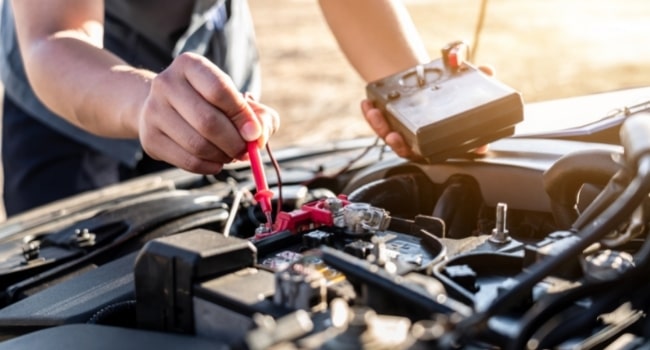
<point x="366" y="105"/>
<point x="380" y="125"/>
<point x="201" y="128"/>
<point x="268" y="118"/>
<point x="377" y="122"/>
<point x="187" y="138"/>
<point x="481" y="150"/>
<point x="398" y="145"/>
<point x="217" y="88"/>
<point x="161" y="147"/>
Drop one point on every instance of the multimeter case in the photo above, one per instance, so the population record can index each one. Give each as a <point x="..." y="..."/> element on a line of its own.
<point x="444" y="112"/>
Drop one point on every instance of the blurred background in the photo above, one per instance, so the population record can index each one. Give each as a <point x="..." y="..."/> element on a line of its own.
<point x="545" y="49"/>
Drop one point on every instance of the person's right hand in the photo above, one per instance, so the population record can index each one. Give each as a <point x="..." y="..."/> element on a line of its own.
<point x="196" y="119"/>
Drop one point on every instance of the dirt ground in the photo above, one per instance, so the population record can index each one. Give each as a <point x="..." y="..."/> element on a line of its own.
<point x="545" y="49"/>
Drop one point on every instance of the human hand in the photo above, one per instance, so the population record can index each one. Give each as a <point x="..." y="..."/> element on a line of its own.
<point x="393" y="139"/>
<point x="195" y="118"/>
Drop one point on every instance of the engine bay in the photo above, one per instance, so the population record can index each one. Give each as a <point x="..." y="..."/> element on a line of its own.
<point x="539" y="243"/>
<point x="367" y="251"/>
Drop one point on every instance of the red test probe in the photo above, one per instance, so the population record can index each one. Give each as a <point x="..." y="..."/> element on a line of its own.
<point x="263" y="195"/>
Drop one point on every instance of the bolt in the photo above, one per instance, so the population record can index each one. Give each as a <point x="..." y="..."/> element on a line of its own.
<point x="31" y="250"/>
<point x="84" y="238"/>
<point x="500" y="231"/>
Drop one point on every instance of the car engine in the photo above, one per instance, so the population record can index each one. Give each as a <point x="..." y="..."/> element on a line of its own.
<point x="540" y="243"/>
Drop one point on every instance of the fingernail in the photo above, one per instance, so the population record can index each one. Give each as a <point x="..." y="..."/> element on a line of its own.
<point x="250" y="131"/>
<point x="249" y="96"/>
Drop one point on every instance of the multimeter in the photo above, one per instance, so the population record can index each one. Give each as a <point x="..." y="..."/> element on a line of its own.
<point x="447" y="107"/>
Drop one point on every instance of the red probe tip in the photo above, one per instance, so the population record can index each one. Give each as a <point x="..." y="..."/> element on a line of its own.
<point x="263" y="195"/>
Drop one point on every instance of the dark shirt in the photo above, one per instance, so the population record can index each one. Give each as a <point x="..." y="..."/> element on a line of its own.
<point x="146" y="34"/>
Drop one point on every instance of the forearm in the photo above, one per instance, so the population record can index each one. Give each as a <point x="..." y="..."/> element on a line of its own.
<point x="61" y="43"/>
<point x="377" y="36"/>
<point x="190" y="115"/>
<point x="86" y="85"/>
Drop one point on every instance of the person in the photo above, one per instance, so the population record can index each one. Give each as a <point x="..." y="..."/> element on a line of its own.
<point x="97" y="92"/>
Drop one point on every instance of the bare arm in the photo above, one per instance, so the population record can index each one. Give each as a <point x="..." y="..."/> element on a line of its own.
<point x="379" y="39"/>
<point x="377" y="36"/>
<point x="190" y="115"/>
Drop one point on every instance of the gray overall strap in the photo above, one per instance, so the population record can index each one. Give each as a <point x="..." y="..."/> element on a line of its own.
<point x="208" y="17"/>
<point x="223" y="31"/>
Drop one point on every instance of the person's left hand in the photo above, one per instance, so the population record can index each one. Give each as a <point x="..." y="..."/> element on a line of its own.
<point x="380" y="126"/>
<point x="394" y="139"/>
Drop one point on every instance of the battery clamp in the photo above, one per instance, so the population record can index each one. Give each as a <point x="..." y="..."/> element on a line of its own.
<point x="447" y="107"/>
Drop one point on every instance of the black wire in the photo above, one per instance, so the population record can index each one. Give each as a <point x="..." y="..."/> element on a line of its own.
<point x="382" y="151"/>
<point x="478" y="29"/>
<point x="546" y="309"/>
<point x="630" y="280"/>
<point x="555" y="330"/>
<point x="629" y="200"/>
<point x="276" y="166"/>
<point x="359" y="157"/>
<point x="612" y="190"/>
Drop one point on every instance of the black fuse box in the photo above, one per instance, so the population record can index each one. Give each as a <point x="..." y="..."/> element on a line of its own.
<point x="167" y="269"/>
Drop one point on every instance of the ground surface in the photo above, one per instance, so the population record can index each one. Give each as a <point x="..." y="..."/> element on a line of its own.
<point x="545" y="49"/>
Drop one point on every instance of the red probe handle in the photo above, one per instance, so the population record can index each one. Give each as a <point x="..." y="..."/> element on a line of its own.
<point x="263" y="195"/>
